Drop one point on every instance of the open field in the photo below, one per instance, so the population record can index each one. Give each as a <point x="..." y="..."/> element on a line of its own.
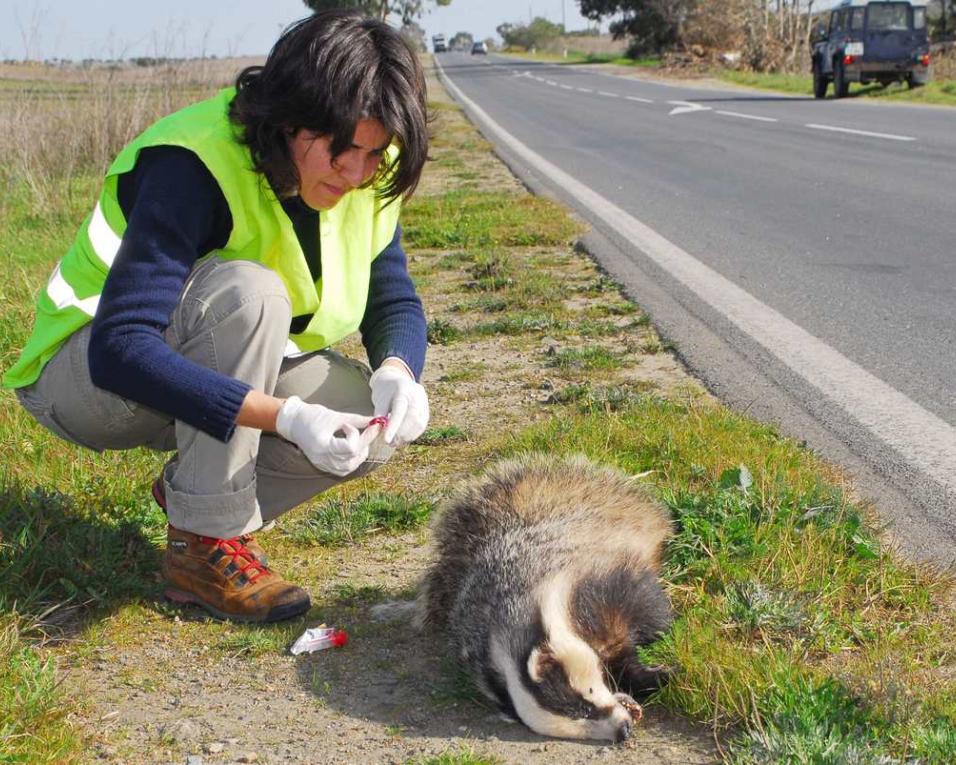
<point x="800" y="637"/>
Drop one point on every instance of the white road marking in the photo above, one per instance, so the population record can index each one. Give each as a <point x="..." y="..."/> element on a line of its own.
<point x="888" y="136"/>
<point x="584" y="90"/>
<point x="686" y="107"/>
<point x="926" y="441"/>
<point x="552" y="83"/>
<point x="605" y="93"/>
<point x="639" y="100"/>
<point x="565" y="87"/>
<point x="748" y="116"/>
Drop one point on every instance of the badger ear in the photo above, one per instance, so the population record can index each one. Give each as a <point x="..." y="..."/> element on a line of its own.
<point x="540" y="658"/>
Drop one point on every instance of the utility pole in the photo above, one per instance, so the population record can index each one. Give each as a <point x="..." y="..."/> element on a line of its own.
<point x="564" y="18"/>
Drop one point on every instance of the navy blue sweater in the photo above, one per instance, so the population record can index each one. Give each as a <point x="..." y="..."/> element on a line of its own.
<point x="176" y="213"/>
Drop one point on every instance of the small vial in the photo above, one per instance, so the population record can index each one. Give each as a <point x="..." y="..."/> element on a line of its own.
<point x="318" y="639"/>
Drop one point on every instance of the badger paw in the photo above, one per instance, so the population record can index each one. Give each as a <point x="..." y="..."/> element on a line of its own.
<point x="633" y="708"/>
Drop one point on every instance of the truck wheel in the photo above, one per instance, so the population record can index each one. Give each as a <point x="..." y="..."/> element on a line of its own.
<point x="914" y="81"/>
<point x="840" y="86"/>
<point x="820" y="82"/>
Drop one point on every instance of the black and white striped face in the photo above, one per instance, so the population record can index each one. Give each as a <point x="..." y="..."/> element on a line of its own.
<point x="555" y="682"/>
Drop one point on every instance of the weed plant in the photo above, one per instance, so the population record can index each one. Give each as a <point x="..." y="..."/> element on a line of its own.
<point x="441" y="332"/>
<point x="593" y="358"/>
<point x="459" y="756"/>
<point x="521" y="323"/>
<point x="339" y="521"/>
<point x="441" y="435"/>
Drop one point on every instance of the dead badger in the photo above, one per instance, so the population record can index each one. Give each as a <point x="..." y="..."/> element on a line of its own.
<point x="544" y="576"/>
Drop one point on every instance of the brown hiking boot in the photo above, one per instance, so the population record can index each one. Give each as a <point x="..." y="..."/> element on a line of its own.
<point x="159" y="494"/>
<point x="223" y="576"/>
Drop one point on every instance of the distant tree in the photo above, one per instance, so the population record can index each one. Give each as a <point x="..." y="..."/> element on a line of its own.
<point x="414" y="35"/>
<point x="537" y="34"/>
<point x="653" y="25"/>
<point x="406" y="10"/>
<point x="461" y="41"/>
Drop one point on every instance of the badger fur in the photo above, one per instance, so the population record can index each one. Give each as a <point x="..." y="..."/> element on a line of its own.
<point x="544" y="578"/>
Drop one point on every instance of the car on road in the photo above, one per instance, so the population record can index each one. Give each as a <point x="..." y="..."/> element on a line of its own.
<point x="870" y="41"/>
<point x="479" y="47"/>
<point x="438" y="43"/>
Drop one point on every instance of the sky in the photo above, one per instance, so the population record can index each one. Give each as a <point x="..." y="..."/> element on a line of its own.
<point x="185" y="28"/>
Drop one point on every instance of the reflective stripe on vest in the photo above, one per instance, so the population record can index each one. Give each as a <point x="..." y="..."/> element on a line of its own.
<point x="105" y="244"/>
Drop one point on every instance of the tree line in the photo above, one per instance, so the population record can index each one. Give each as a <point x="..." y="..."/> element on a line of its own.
<point x="763" y="35"/>
<point x="767" y="35"/>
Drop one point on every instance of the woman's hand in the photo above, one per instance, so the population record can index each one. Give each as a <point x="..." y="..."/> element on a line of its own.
<point x="396" y="394"/>
<point x="330" y="439"/>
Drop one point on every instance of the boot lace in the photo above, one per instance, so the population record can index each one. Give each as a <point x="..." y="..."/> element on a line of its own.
<point x="244" y="560"/>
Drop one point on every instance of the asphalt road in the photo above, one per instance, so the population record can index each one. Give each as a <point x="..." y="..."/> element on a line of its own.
<point x="801" y="254"/>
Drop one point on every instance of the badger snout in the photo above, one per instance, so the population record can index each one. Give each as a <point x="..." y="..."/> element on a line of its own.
<point x="632" y="714"/>
<point x="623" y="732"/>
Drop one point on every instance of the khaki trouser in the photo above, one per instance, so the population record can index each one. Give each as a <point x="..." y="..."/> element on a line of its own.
<point x="233" y="317"/>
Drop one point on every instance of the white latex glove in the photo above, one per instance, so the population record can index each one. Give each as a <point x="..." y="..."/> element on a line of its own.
<point x="314" y="428"/>
<point x="396" y="394"/>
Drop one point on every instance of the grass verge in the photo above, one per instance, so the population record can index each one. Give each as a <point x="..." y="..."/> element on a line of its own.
<point x="938" y="92"/>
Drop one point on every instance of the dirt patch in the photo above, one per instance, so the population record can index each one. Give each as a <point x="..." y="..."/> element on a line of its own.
<point x="161" y="685"/>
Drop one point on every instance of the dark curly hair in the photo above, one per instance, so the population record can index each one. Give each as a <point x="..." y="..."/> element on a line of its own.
<point x="324" y="74"/>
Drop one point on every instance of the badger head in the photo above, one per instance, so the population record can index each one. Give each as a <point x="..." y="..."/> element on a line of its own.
<point x="551" y="679"/>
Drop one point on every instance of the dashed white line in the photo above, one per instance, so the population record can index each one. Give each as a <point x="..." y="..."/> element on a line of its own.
<point x="609" y="95"/>
<point x="748" y="116"/>
<point x="565" y="87"/>
<point x="552" y="83"/>
<point x="639" y="99"/>
<point x="868" y="133"/>
<point x="584" y="90"/>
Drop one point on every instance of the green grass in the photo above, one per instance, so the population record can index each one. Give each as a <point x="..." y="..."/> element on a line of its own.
<point x="34" y="727"/>
<point x="594" y="358"/>
<point x="537" y="322"/>
<point x="464" y="373"/>
<point x="483" y="303"/>
<point x="339" y="521"/>
<point x="461" y="219"/>
<point x="941" y="92"/>
<point x="580" y="57"/>
<point x="460" y="756"/>
<point x="790" y="611"/>
<point x="441" y="435"/>
<point x="441" y="332"/>
<point x="602" y="398"/>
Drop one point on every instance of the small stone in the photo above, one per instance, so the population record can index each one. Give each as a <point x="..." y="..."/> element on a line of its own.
<point x="213" y="747"/>
<point x="248" y="757"/>
<point x="194" y="759"/>
<point x="232" y="741"/>
<point x="181" y="731"/>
